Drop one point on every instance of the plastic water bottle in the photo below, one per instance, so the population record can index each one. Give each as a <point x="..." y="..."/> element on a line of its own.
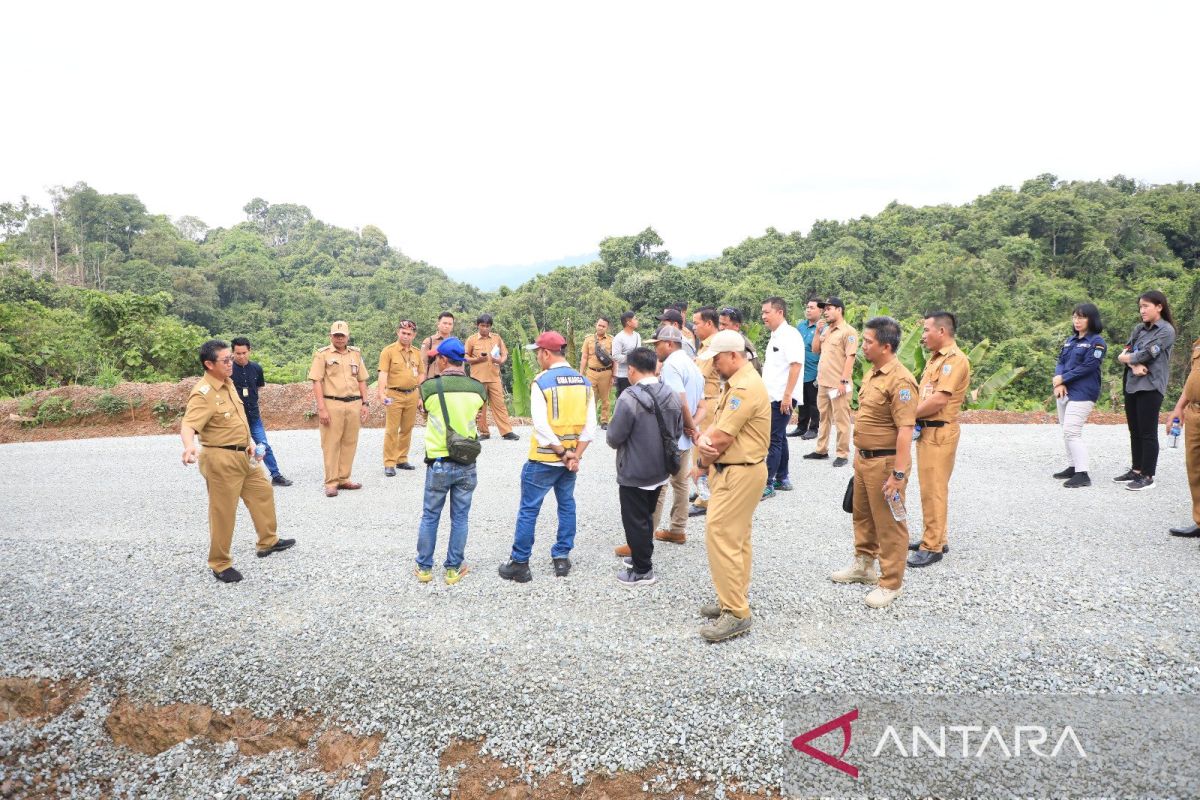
<point x="896" y="504"/>
<point x="496" y="351"/>
<point x="702" y="490"/>
<point x="260" y="452"/>
<point x="1175" y="432"/>
<point x="917" y="431"/>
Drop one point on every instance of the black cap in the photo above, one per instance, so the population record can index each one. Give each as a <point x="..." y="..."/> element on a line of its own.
<point x="670" y="315"/>
<point x="835" y="301"/>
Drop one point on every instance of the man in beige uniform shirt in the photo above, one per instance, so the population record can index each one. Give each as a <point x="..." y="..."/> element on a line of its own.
<point x="339" y="378"/>
<point x="215" y="412"/>
<point x="399" y="377"/>
<point x="837" y="343"/>
<point x="486" y="351"/>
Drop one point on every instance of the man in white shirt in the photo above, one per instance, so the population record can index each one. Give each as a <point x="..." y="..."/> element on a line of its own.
<point x="625" y="341"/>
<point x="781" y="373"/>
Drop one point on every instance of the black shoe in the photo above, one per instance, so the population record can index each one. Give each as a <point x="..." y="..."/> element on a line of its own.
<point x="516" y="571"/>
<point x="1127" y="477"/>
<point x="815" y="456"/>
<point x="484" y="436"/>
<point x="796" y="433"/>
<point x="1190" y="532"/>
<point x="405" y="466"/>
<point x="696" y="511"/>
<point x="923" y="558"/>
<point x="230" y="575"/>
<point x="562" y="566"/>
<point x="915" y="546"/>
<point x="1077" y="480"/>
<point x="840" y="462"/>
<point x="389" y="471"/>
<point x="1064" y="474"/>
<point x="279" y="480"/>
<point x="809" y="435"/>
<point x="1142" y="483"/>
<point x="512" y="437"/>
<point x="603" y="426"/>
<point x="282" y="544"/>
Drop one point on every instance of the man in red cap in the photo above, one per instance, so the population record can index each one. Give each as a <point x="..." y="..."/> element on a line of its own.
<point x="563" y="408"/>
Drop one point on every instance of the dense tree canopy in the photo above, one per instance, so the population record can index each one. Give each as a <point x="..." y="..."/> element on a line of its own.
<point x="96" y="284"/>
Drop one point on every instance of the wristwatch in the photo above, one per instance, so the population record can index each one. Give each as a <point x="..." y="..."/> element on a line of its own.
<point x="897" y="474"/>
<point x="366" y="403"/>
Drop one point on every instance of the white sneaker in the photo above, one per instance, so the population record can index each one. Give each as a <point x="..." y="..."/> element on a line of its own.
<point x="861" y="571"/>
<point x="880" y="597"/>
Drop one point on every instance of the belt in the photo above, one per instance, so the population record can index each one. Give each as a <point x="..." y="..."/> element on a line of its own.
<point x="876" y="453"/>
<point x="600" y="369"/>
<point x="932" y="423"/>
<point x="350" y="399"/>
<point x="722" y="467"/>
<point x="398" y="389"/>
<point x="238" y="447"/>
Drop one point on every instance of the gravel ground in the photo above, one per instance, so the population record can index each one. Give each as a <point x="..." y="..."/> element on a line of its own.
<point x="1045" y="590"/>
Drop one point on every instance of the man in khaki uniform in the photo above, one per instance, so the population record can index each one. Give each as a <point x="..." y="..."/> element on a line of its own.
<point x="339" y="378"/>
<point x="837" y="343"/>
<point x="215" y="412"/>
<point x="445" y="329"/>
<point x="599" y="373"/>
<point x="486" y="351"/>
<point x="1187" y="411"/>
<point x="706" y="321"/>
<point x="943" y="386"/>
<point x="733" y="452"/>
<point x="399" y="377"/>
<point x="887" y="405"/>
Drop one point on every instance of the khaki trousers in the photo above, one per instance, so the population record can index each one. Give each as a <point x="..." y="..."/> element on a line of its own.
<point x="935" y="461"/>
<point x="339" y="440"/>
<point x="398" y="420"/>
<point x="876" y="533"/>
<point x="736" y="492"/>
<point x="679" y="497"/>
<point x="833" y="412"/>
<point x="602" y="381"/>
<point x="495" y="397"/>
<point x="230" y="475"/>
<point x="1191" y="443"/>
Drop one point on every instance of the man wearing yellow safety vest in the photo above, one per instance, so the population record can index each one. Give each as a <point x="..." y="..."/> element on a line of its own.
<point x="563" y="408"/>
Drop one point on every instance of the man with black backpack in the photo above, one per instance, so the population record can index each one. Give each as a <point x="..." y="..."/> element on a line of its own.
<point x="644" y="430"/>
<point x="451" y="401"/>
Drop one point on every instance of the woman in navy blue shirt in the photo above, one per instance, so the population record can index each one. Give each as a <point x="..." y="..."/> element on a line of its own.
<point x="1077" y="388"/>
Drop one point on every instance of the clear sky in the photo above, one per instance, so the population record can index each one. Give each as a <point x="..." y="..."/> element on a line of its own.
<point x="477" y="134"/>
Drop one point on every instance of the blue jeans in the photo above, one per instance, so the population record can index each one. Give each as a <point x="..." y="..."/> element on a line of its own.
<point x="537" y="479"/>
<point x="777" y="453"/>
<point x="259" y="435"/>
<point x="446" y="478"/>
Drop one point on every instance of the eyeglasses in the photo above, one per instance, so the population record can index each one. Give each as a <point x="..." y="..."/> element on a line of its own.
<point x="225" y="360"/>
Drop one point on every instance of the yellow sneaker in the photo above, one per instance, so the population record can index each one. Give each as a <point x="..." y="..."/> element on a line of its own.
<point x="455" y="574"/>
<point x="423" y="575"/>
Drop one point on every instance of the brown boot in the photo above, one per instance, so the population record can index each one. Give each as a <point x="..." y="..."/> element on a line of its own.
<point x="667" y="536"/>
<point x="623" y="550"/>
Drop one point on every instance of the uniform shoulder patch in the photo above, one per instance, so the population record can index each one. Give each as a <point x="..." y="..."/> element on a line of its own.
<point x="905" y="395"/>
<point x="1155" y="349"/>
<point x="1098" y="352"/>
<point x="946" y="370"/>
<point x="851" y="339"/>
<point x="204" y="388"/>
<point x="735" y="402"/>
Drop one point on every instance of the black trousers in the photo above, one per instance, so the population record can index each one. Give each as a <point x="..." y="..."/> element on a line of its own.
<point x="777" y="451"/>
<point x="622" y="385"/>
<point x="808" y="418"/>
<point x="1141" y="414"/>
<point x="637" y="517"/>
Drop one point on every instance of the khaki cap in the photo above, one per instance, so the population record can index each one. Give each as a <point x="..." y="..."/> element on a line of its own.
<point x="339" y="327"/>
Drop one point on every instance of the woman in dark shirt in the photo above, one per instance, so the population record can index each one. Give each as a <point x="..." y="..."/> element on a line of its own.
<point x="1077" y="387"/>
<point x="1147" y="360"/>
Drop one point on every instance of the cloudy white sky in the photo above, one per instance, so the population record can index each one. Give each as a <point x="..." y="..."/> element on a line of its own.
<point x="478" y="134"/>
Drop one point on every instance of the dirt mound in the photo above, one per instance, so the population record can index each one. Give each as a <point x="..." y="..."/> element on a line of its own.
<point x="337" y="749"/>
<point x="481" y="776"/>
<point x="30" y="698"/>
<point x="146" y="409"/>
<point x="152" y="729"/>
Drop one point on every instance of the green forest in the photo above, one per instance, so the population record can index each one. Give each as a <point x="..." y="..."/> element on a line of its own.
<point x="96" y="289"/>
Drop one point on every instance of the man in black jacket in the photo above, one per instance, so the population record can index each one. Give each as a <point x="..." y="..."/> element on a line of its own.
<point x="248" y="378"/>
<point x="642" y="447"/>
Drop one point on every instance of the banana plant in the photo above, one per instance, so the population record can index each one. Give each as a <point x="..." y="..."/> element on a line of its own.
<point x="988" y="392"/>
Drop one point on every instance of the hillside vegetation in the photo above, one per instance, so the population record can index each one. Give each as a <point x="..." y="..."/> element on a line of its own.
<point x="98" y="290"/>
